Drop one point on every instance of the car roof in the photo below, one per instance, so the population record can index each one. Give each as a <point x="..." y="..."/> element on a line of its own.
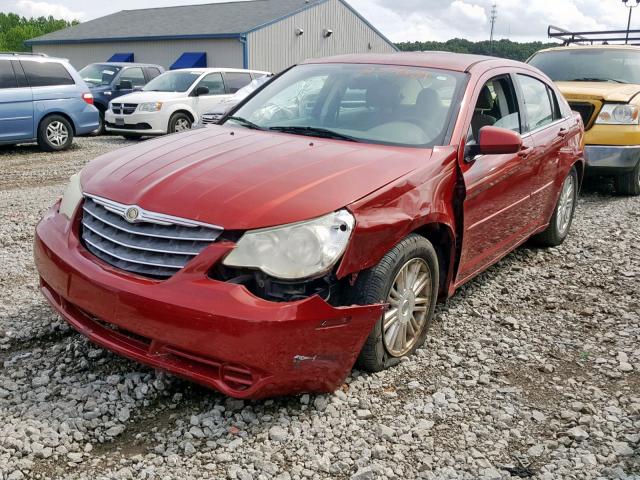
<point x="126" y="64"/>
<point x="212" y="70"/>
<point x="458" y="62"/>
<point x="30" y="56"/>
<point x="591" y="47"/>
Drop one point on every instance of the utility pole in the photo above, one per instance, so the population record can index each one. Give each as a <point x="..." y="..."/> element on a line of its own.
<point x="630" y="6"/>
<point x="494" y="17"/>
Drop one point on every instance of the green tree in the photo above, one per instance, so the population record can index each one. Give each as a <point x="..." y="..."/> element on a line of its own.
<point x="502" y="48"/>
<point x="14" y="30"/>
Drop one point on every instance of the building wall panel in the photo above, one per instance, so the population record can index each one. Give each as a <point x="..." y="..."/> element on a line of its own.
<point x="220" y="52"/>
<point x="277" y="47"/>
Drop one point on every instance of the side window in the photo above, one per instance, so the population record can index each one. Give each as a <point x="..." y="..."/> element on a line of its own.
<point x="214" y="83"/>
<point x="7" y="78"/>
<point x="134" y="75"/>
<point x="152" y="72"/>
<point x="557" y="112"/>
<point x="46" y="74"/>
<point x="537" y="102"/>
<point x="235" y="81"/>
<point x="497" y="106"/>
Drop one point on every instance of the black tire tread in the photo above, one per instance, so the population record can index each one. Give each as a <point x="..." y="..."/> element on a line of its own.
<point x="628" y="184"/>
<point x="43" y="143"/>
<point x="371" y="289"/>
<point x="551" y="237"/>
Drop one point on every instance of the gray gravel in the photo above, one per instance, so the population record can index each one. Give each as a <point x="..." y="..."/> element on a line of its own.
<point x="532" y="371"/>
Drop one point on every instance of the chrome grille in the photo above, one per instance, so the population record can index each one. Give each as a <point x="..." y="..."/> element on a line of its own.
<point x="212" y="118"/>
<point x="123" y="108"/>
<point x="154" y="245"/>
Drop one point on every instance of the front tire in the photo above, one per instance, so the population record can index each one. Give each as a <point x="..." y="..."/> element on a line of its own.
<point x="407" y="278"/>
<point x="629" y="183"/>
<point x="179" y="122"/>
<point x="560" y="224"/>
<point x="55" y="133"/>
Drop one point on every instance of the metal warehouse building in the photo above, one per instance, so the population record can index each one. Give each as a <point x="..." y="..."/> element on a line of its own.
<point x="259" y="34"/>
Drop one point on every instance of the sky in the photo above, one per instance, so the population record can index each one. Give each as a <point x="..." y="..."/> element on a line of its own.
<point x="404" y="20"/>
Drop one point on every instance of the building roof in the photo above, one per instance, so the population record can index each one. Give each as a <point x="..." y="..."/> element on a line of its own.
<point x="213" y="20"/>
<point x="458" y="62"/>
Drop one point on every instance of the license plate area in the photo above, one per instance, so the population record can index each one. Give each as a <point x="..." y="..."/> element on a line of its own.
<point x="119" y="121"/>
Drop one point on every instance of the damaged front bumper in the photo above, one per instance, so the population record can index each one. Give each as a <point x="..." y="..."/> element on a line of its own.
<point x="215" y="333"/>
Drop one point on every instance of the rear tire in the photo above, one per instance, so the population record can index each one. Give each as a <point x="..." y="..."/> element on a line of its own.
<point x="629" y="183"/>
<point x="101" y="129"/>
<point x="411" y="307"/>
<point x="179" y="122"/>
<point x="55" y="133"/>
<point x="562" y="217"/>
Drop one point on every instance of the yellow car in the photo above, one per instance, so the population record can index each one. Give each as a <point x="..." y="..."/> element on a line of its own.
<point x="602" y="83"/>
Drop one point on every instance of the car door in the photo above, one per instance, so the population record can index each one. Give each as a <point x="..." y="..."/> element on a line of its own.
<point x="217" y="91"/>
<point x="16" y="104"/>
<point x="549" y="132"/>
<point x="497" y="205"/>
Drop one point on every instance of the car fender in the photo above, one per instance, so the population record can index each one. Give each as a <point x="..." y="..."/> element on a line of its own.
<point x="181" y="105"/>
<point x="406" y="205"/>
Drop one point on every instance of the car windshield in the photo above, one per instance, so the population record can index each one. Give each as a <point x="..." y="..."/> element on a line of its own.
<point x="383" y="104"/>
<point x="176" y="81"/>
<point x="99" y="74"/>
<point x="590" y="65"/>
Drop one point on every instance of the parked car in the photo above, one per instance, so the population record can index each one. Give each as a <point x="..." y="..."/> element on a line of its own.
<point x="43" y="99"/>
<point x="602" y="83"/>
<point x="110" y="80"/>
<point x="317" y="226"/>
<point x="174" y="101"/>
<point x="215" y="115"/>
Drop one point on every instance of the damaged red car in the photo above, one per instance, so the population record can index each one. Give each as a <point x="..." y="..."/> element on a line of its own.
<point x="319" y="225"/>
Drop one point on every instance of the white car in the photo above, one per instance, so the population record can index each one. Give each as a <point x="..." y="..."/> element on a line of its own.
<point x="175" y="100"/>
<point x="215" y="115"/>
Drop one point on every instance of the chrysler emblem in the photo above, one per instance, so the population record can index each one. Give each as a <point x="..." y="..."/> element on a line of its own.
<point x="132" y="214"/>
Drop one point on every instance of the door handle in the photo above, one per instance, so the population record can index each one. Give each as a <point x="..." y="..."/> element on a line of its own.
<point x="525" y="152"/>
<point x="563" y="132"/>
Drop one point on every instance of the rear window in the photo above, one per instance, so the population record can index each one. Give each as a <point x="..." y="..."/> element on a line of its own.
<point x="7" y="78"/>
<point x="46" y="74"/>
<point x="235" y="81"/>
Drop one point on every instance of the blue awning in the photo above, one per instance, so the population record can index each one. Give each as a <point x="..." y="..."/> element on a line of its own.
<point x="190" y="60"/>
<point x="121" y="57"/>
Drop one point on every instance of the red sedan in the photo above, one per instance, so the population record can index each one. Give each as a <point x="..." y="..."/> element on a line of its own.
<point x="319" y="225"/>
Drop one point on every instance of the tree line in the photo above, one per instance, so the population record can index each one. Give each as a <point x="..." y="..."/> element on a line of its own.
<point x="14" y="30"/>
<point x="499" y="48"/>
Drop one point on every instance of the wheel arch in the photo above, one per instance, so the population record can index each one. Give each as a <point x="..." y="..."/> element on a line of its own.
<point x="61" y="114"/>
<point x="443" y="240"/>
<point x="187" y="112"/>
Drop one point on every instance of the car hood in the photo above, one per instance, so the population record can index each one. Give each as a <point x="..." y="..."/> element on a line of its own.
<point x="602" y="91"/>
<point x="244" y="179"/>
<point x="139" y="97"/>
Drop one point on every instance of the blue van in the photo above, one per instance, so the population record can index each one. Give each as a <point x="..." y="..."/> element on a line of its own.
<point x="109" y="80"/>
<point x="43" y="99"/>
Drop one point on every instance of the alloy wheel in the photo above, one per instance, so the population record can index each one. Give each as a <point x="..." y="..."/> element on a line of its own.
<point x="181" y="125"/>
<point x="57" y="133"/>
<point x="409" y="304"/>
<point x="566" y="204"/>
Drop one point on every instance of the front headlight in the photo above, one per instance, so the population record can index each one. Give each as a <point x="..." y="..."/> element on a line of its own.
<point x="71" y="197"/>
<point x="296" y="251"/>
<point x="618" y="114"/>
<point x="150" y="107"/>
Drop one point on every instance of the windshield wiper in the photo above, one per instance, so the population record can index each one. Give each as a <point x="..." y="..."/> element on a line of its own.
<point x="246" y="123"/>
<point x="594" y="79"/>
<point x="315" y="132"/>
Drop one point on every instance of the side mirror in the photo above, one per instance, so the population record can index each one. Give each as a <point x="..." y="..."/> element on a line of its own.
<point x="201" y="91"/>
<point x="125" y="85"/>
<point x="498" y="141"/>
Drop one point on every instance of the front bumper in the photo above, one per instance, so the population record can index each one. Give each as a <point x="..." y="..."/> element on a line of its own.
<point x="214" y="333"/>
<point x="612" y="158"/>
<point x="138" y="123"/>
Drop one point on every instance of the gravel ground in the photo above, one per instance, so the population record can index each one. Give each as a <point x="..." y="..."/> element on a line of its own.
<point x="532" y="371"/>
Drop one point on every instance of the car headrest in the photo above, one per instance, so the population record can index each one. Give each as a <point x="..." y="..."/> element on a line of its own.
<point x="428" y="99"/>
<point x="382" y="95"/>
<point x="485" y="100"/>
